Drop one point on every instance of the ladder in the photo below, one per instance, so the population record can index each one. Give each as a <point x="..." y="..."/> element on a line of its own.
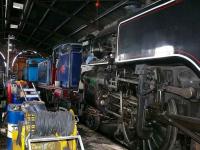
<point x="30" y="92"/>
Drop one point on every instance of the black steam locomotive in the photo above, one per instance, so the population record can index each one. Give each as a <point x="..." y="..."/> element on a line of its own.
<point x="148" y="95"/>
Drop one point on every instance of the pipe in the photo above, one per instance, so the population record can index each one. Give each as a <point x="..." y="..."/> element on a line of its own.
<point x="183" y="129"/>
<point x="8" y="58"/>
<point x="3" y="58"/>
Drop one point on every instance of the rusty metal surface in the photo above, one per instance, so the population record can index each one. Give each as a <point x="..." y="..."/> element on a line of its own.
<point x="93" y="140"/>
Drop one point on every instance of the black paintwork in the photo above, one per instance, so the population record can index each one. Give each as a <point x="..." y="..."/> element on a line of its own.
<point x="177" y="24"/>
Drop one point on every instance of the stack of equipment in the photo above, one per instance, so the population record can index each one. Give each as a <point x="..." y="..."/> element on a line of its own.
<point x="39" y="129"/>
<point x="14" y="116"/>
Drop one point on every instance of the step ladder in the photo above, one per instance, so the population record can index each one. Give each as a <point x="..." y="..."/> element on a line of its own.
<point x="30" y="92"/>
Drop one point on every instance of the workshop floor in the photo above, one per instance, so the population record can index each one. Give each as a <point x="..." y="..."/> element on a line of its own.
<point x="95" y="141"/>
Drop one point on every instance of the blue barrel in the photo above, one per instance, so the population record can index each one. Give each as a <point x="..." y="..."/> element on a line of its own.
<point x="14" y="116"/>
<point x="9" y="144"/>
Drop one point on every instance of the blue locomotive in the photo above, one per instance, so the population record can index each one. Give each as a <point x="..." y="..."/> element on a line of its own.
<point x="68" y="67"/>
<point x="58" y="76"/>
<point x="64" y="66"/>
<point x="31" y="70"/>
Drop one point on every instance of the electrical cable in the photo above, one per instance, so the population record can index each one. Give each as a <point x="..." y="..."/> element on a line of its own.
<point x="52" y="123"/>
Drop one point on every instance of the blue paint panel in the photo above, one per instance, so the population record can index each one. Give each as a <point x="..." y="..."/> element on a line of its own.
<point x="32" y="74"/>
<point x="69" y="63"/>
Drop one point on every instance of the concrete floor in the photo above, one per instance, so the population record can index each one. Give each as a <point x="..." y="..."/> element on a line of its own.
<point x="91" y="140"/>
<point x="95" y="141"/>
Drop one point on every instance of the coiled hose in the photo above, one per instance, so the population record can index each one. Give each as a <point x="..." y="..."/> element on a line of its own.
<point x="52" y="123"/>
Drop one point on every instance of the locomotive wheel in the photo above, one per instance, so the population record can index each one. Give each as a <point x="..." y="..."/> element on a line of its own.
<point x="92" y="118"/>
<point x="124" y="135"/>
<point x="93" y="122"/>
<point x="125" y="132"/>
<point x="162" y="136"/>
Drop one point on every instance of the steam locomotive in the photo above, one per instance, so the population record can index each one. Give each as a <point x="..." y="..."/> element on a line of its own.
<point x="149" y="93"/>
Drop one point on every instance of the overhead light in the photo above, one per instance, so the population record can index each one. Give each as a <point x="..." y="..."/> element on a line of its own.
<point x="13" y="26"/>
<point x="18" y="5"/>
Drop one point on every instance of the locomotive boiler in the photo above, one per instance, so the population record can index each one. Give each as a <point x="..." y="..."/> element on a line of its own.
<point x="150" y="94"/>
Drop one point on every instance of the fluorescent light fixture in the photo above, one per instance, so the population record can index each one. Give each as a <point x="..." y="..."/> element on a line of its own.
<point x="13" y="26"/>
<point x="18" y="5"/>
<point x="166" y="50"/>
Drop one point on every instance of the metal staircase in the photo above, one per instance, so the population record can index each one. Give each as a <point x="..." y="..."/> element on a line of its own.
<point x="30" y="92"/>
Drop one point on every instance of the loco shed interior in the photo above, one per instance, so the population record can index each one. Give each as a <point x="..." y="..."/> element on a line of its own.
<point x="99" y="75"/>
